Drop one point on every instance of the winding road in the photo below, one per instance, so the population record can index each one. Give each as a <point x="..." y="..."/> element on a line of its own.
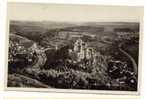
<point x="41" y="57"/>
<point x="126" y="54"/>
<point x="130" y="57"/>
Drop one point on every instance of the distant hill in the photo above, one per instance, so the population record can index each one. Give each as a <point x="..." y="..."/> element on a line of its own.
<point x="36" y="31"/>
<point x="48" y="25"/>
<point x="131" y="25"/>
<point x="40" y="25"/>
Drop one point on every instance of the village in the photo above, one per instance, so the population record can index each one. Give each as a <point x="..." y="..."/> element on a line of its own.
<point x="76" y="57"/>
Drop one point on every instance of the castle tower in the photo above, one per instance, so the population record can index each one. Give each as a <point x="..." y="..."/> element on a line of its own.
<point x="56" y="47"/>
<point x="77" y="45"/>
<point x="82" y="54"/>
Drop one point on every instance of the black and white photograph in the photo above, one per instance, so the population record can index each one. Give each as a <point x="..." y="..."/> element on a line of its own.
<point x="73" y="48"/>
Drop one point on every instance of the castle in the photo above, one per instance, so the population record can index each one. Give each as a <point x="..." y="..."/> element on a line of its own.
<point x="84" y="52"/>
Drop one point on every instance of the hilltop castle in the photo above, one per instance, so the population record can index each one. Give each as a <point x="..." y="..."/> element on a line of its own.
<point x="84" y="52"/>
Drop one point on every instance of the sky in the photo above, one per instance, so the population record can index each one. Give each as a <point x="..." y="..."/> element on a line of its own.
<point x="73" y="13"/>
